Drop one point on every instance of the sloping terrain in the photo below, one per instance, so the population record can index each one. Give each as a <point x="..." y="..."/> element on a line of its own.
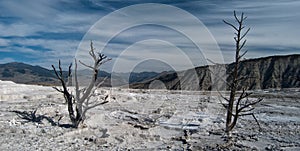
<point x="28" y="74"/>
<point x="274" y="72"/>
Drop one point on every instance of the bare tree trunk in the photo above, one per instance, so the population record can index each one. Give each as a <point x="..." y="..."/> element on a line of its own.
<point x="234" y="108"/>
<point x="82" y="98"/>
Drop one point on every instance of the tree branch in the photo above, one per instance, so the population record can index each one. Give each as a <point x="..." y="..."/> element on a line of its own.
<point x="86" y="65"/>
<point x="230" y="25"/>
<point x="250" y="104"/>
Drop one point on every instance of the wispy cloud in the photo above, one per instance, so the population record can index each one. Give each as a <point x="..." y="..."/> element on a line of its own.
<point x="41" y="32"/>
<point x="6" y="60"/>
<point x="3" y="42"/>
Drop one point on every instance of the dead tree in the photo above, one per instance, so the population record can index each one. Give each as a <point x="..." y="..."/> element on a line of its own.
<point x="238" y="104"/>
<point x="84" y="98"/>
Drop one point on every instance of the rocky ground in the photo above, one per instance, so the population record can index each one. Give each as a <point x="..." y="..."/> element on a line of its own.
<point x="36" y="118"/>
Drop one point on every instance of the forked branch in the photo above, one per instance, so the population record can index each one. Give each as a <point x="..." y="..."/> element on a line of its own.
<point x="81" y="102"/>
<point x="238" y="104"/>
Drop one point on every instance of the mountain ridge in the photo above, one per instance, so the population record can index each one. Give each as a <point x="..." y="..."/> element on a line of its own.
<point x="22" y="73"/>
<point x="280" y="71"/>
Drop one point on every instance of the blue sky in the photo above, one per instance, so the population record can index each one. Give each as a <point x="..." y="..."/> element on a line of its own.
<point x="40" y="32"/>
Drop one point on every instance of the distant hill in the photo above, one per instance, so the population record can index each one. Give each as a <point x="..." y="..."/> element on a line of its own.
<point x="268" y="72"/>
<point x="121" y="79"/>
<point x="28" y="74"/>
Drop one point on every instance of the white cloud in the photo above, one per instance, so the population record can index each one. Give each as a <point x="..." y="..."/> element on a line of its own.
<point x="58" y="49"/>
<point x="34" y="10"/>
<point x="19" y="29"/>
<point x="6" y="60"/>
<point x="4" y="42"/>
